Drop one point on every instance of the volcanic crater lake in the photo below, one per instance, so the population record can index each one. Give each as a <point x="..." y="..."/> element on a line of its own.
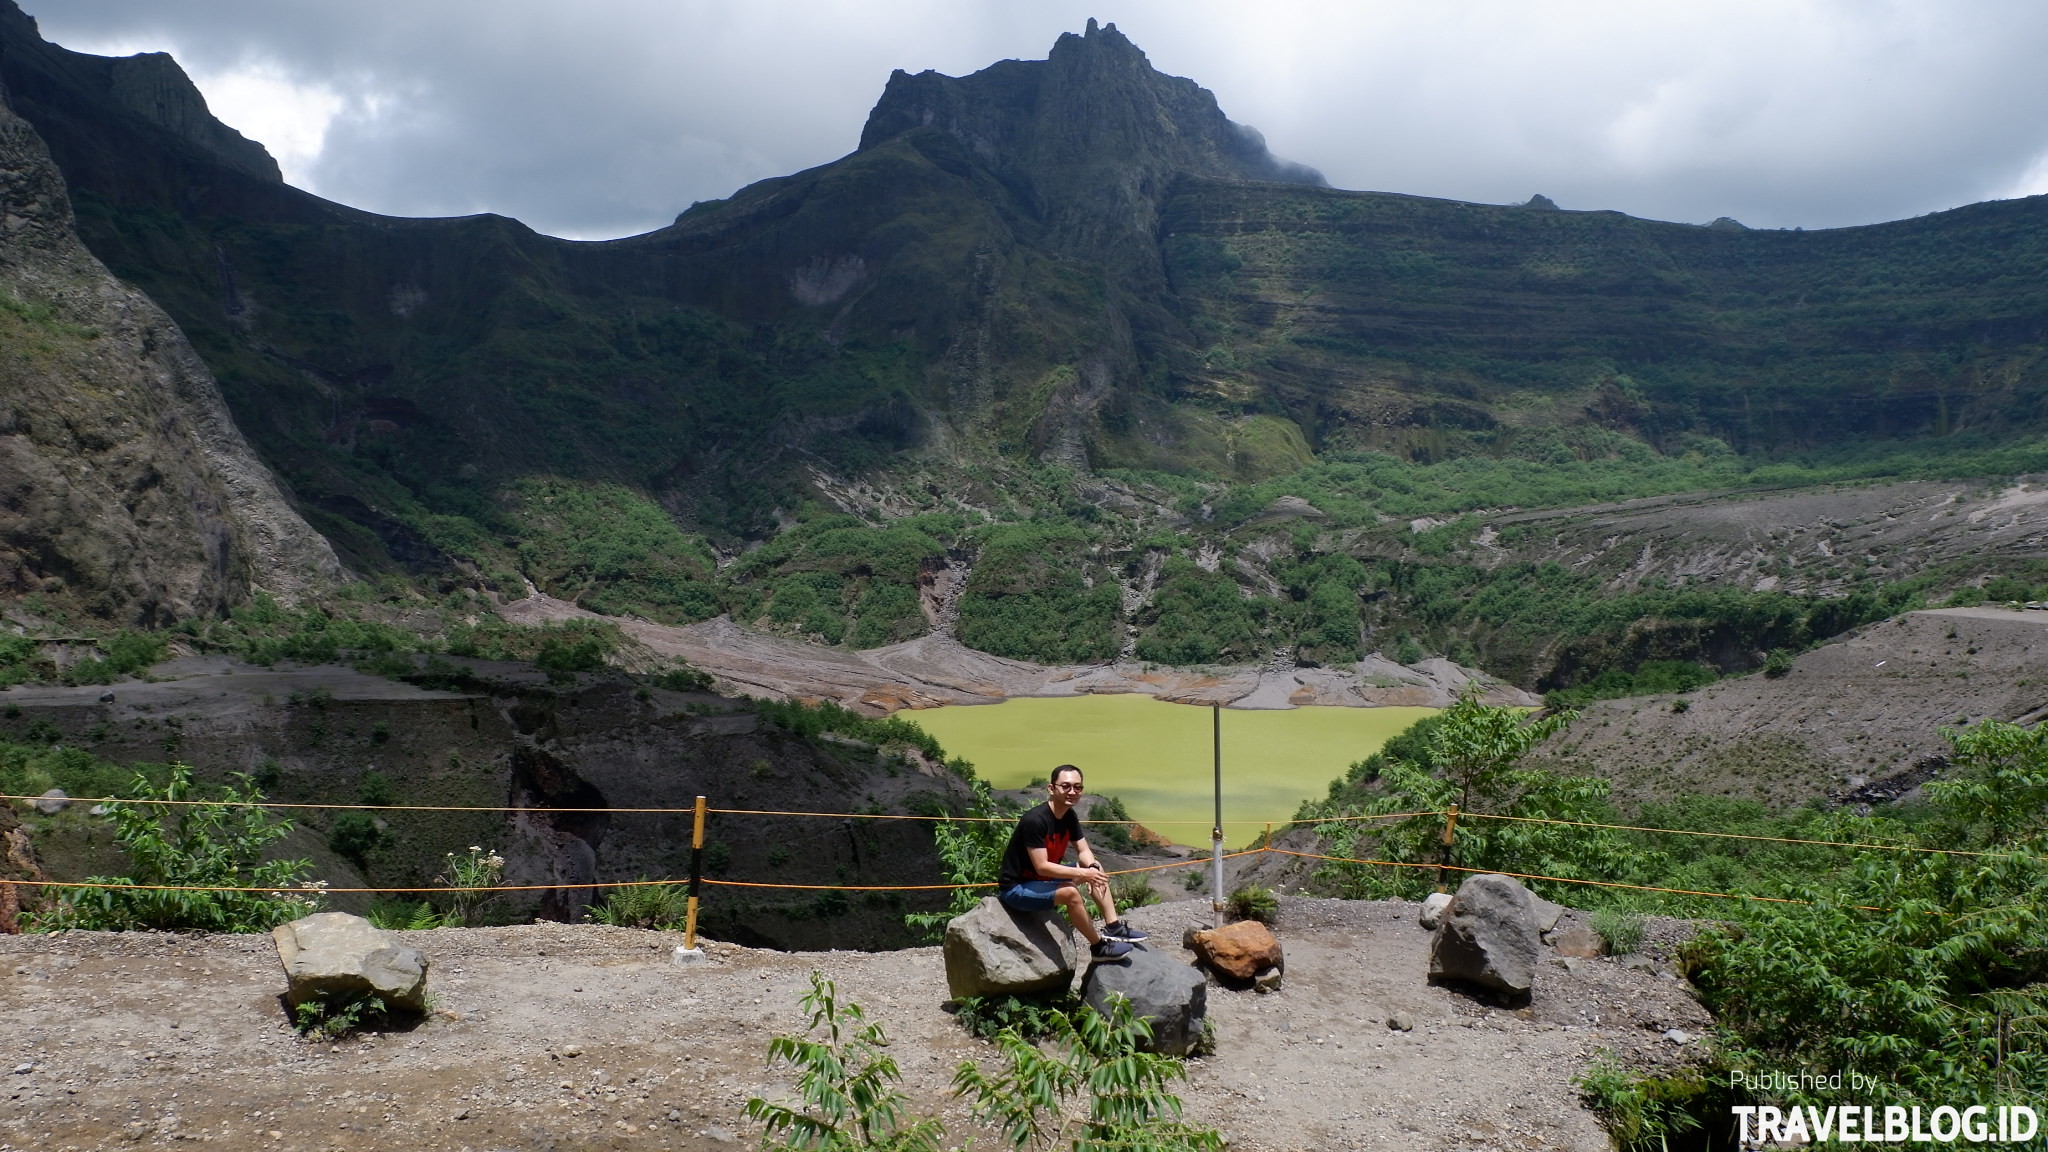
<point x="1155" y="756"/>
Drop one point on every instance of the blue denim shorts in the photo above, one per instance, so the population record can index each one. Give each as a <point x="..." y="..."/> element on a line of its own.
<point x="1031" y="895"/>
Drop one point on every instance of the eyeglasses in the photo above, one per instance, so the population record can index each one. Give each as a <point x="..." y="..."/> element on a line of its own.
<point x="1067" y="787"/>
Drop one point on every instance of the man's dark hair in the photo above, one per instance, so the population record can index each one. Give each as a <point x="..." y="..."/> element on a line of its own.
<point x="1064" y="768"/>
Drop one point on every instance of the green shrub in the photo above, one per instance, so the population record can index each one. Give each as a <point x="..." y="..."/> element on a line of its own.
<point x="216" y="844"/>
<point x="847" y="1099"/>
<point x="1250" y="902"/>
<point x="662" y="907"/>
<point x="1620" y="929"/>
<point x="353" y="836"/>
<point x="396" y="914"/>
<point x="1777" y="663"/>
<point x="333" y="1019"/>
<point x="1641" y="1112"/>
<point x="971" y="853"/>
<point x="1133" y="890"/>
<point x="1109" y="825"/>
<point x="1033" y="1017"/>
<point x="1091" y="1061"/>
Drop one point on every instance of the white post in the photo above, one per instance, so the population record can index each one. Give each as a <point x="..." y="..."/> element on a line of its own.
<point x="1216" y="832"/>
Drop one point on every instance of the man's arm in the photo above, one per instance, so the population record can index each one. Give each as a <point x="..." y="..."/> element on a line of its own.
<point x="1044" y="867"/>
<point x="1085" y="855"/>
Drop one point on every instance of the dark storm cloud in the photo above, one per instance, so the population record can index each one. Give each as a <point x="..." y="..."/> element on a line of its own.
<point x="601" y="119"/>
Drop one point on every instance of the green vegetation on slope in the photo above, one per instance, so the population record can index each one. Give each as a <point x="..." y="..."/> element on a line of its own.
<point x="1919" y="964"/>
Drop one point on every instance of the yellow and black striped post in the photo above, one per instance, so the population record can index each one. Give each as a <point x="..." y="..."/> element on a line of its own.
<point x="696" y="875"/>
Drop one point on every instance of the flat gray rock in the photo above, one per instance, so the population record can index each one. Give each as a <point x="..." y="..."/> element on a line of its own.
<point x="993" y="951"/>
<point x="336" y="957"/>
<point x="1173" y="996"/>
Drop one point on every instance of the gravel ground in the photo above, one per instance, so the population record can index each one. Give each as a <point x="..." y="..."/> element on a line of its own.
<point x="557" y="1037"/>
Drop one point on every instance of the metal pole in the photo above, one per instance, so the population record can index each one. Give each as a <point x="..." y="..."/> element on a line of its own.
<point x="1216" y="832"/>
<point x="696" y="876"/>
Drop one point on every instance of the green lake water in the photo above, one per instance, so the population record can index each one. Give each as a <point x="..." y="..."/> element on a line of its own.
<point x="1156" y="755"/>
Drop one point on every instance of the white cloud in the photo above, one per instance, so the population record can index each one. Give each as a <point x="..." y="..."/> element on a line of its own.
<point x="264" y="102"/>
<point x="596" y="120"/>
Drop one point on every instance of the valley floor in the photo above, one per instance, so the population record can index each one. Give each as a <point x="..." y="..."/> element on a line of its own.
<point x="560" y="1037"/>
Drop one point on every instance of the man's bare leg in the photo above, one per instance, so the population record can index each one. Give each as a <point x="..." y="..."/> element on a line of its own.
<point x="1103" y="900"/>
<point x="1077" y="913"/>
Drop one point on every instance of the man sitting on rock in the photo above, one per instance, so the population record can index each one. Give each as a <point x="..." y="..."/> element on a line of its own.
<point x="1034" y="878"/>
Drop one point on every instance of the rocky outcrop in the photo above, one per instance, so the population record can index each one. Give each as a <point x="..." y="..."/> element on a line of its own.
<point x="1488" y="937"/>
<point x="1239" y="952"/>
<point x="336" y="958"/>
<point x="17" y="867"/>
<point x="993" y="951"/>
<point x="126" y="491"/>
<point x="1170" y="996"/>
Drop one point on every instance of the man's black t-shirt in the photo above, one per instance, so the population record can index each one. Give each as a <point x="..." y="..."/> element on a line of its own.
<point x="1038" y="828"/>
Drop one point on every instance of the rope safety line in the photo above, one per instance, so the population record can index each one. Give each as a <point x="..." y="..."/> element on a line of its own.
<point x="1741" y="836"/>
<point x="593" y="884"/>
<point x="1569" y="880"/>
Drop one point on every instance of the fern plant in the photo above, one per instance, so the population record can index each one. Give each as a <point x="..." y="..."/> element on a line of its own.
<point x="847" y="1084"/>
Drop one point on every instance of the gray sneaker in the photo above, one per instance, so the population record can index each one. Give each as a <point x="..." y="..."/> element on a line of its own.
<point x="1122" y="930"/>
<point x="1110" y="948"/>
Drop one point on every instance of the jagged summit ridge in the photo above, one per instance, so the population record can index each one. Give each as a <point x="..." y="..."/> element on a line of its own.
<point x="1095" y="102"/>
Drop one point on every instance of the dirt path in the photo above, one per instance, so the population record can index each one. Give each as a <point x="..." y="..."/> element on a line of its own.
<point x="936" y="670"/>
<point x="558" y="1037"/>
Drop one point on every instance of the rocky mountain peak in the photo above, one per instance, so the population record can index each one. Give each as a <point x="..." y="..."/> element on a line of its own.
<point x="148" y="86"/>
<point x="1095" y="109"/>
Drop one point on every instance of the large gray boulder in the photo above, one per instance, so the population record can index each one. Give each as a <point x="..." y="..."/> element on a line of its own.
<point x="1488" y="937"/>
<point x="335" y="957"/>
<point x="1170" y="994"/>
<point x="993" y="951"/>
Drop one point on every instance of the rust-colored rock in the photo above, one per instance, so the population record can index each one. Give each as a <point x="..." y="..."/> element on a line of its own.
<point x="1239" y="951"/>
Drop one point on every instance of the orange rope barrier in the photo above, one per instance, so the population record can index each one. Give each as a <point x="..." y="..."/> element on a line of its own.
<point x="1569" y="880"/>
<point x="1742" y="836"/>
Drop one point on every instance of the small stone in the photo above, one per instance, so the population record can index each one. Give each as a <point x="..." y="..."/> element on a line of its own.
<point x="52" y="802"/>
<point x="23" y="1069"/>
<point x="1401" y="1022"/>
<point x="573" y="1051"/>
<point x="106" y="697"/>
<point x="274" y="1134"/>
<point x="689" y="957"/>
<point x="1579" y="941"/>
<point x="1636" y="961"/>
<point x="674" y="1114"/>
<point x="1268" y="980"/>
<point x="1678" y="1036"/>
<point x="720" y="1135"/>
<point x="1433" y="907"/>
<point x="461" y="1114"/>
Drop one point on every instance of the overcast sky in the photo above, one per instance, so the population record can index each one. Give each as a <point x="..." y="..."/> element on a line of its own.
<point x="607" y="117"/>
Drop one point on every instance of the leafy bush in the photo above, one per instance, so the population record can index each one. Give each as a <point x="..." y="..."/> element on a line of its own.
<point x="332" y="1019"/>
<point x="1641" y="1112"/>
<point x="1133" y="890"/>
<point x="1620" y="929"/>
<point x="400" y="915"/>
<point x="811" y="720"/>
<point x="127" y="654"/>
<point x="845" y="1082"/>
<point x="353" y="836"/>
<point x="1249" y="902"/>
<point x="464" y="874"/>
<point x="1777" y="663"/>
<point x="1199" y="617"/>
<point x="1033" y="1017"/>
<point x="1109" y="824"/>
<point x="1088" y="1057"/>
<point x="562" y="657"/>
<point x="1029" y="597"/>
<point x="1924" y="970"/>
<point x="219" y="844"/>
<point x="971" y="852"/>
<point x="662" y="907"/>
